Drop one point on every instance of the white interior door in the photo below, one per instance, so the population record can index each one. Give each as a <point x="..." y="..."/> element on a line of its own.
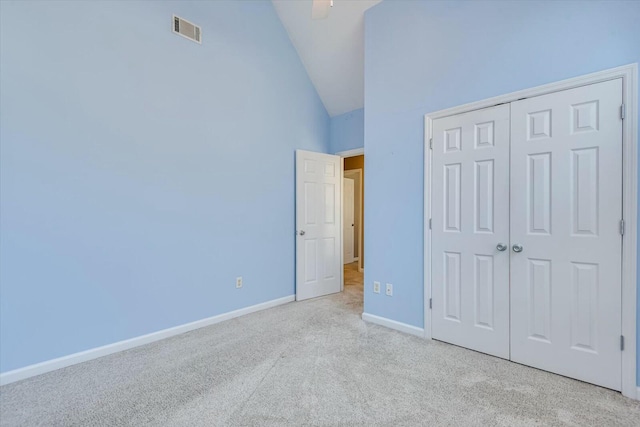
<point x="470" y="230"/>
<point x="348" y="219"/>
<point x="318" y="213"/>
<point x="566" y="207"/>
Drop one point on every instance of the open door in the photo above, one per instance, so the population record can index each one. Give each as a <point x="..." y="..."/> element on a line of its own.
<point x="318" y="231"/>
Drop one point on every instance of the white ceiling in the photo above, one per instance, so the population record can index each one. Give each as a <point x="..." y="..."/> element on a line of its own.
<point x="331" y="49"/>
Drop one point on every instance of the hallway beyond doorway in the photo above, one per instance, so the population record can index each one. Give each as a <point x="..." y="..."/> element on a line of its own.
<point x="354" y="282"/>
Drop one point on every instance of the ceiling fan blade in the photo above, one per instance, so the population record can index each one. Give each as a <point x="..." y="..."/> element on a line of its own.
<point x="320" y="9"/>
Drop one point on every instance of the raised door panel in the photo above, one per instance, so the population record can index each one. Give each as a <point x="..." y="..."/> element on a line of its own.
<point x="483" y="198"/>
<point x="585" y="282"/>
<point x="483" y="291"/>
<point x="310" y="201"/>
<point x="539" y="299"/>
<point x="584" y="191"/>
<point x="451" y="286"/>
<point x="453" y="196"/>
<point x="538" y="185"/>
<point x="310" y="261"/>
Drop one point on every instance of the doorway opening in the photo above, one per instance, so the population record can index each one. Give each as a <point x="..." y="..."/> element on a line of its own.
<point x="353" y="224"/>
<point x="320" y="225"/>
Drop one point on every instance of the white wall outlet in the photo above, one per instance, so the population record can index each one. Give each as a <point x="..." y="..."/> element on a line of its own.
<point x="376" y="287"/>
<point x="239" y="282"/>
<point x="389" y="289"/>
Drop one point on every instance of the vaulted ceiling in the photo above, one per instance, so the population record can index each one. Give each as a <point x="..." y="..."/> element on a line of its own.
<point x="331" y="49"/>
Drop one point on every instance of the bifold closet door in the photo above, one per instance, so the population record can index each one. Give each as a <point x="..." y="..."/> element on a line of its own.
<point x="470" y="230"/>
<point x="566" y="207"/>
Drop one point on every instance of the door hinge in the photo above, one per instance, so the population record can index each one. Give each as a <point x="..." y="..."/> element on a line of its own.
<point x="622" y="227"/>
<point x="430" y="302"/>
<point x="622" y="111"/>
<point x="430" y="143"/>
<point x="429" y="223"/>
<point x="621" y="342"/>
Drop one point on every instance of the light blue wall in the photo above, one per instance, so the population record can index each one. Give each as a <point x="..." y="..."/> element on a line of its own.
<point x="142" y="172"/>
<point x="347" y="131"/>
<point x="424" y="56"/>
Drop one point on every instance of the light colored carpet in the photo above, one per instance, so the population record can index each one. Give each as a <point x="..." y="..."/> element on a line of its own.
<point x="307" y="363"/>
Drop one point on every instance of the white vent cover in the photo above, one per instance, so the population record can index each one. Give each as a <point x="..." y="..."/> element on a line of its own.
<point x="187" y="29"/>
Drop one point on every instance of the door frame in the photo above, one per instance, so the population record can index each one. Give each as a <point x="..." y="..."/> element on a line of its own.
<point x="344" y="154"/>
<point x="359" y="200"/>
<point x="344" y="223"/>
<point x="629" y="75"/>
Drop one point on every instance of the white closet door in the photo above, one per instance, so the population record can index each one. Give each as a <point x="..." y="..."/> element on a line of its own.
<point x="318" y="213"/>
<point x="470" y="214"/>
<point x="566" y="206"/>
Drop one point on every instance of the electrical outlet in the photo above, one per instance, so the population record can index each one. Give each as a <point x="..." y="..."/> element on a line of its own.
<point x="376" y="287"/>
<point x="239" y="282"/>
<point x="389" y="289"/>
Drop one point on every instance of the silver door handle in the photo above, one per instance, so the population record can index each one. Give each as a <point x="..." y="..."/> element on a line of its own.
<point x="517" y="248"/>
<point x="302" y="232"/>
<point x="501" y="247"/>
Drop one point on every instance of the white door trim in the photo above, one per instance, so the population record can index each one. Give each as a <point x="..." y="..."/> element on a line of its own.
<point x="629" y="75"/>
<point x="344" y="154"/>
<point x="361" y="219"/>
<point x="345" y="224"/>
<point x="341" y="226"/>
<point x="351" y="153"/>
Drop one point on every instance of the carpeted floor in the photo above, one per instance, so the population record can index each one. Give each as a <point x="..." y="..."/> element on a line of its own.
<point x="307" y="363"/>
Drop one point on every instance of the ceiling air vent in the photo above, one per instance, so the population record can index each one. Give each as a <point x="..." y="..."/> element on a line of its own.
<point x="187" y="29"/>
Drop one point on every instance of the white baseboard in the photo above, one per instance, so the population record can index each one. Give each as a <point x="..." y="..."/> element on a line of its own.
<point x="94" y="353"/>
<point x="392" y="324"/>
